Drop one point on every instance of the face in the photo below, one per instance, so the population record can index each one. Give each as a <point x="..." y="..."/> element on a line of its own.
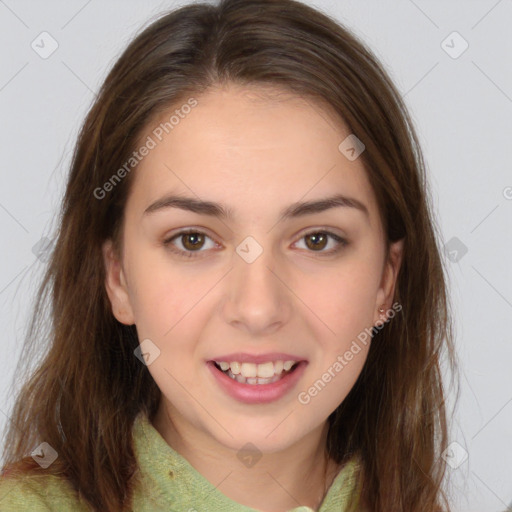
<point x="258" y="280"/>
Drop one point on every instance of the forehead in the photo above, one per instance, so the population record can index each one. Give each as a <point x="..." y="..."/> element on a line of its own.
<point x="246" y="146"/>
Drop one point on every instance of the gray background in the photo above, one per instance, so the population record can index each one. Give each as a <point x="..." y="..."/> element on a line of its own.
<point x="462" y="108"/>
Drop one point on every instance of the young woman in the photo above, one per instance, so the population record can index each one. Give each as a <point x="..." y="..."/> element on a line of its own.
<point x="248" y="306"/>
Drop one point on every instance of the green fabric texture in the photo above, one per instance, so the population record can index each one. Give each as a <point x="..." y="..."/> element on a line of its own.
<point x="167" y="482"/>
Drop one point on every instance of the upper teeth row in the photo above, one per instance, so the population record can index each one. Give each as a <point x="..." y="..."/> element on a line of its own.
<point x="264" y="370"/>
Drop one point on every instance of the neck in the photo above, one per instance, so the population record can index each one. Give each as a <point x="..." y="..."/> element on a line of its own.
<point x="299" y="475"/>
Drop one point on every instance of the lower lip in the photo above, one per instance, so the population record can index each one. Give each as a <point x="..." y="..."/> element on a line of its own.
<point x="258" y="393"/>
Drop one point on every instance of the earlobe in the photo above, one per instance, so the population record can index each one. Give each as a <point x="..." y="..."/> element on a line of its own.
<point x="116" y="286"/>
<point x="389" y="279"/>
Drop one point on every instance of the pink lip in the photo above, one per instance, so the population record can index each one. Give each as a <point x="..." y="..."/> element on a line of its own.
<point x="241" y="357"/>
<point x="260" y="393"/>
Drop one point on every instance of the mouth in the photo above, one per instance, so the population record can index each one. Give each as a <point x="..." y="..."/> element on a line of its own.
<point x="258" y="382"/>
<point x="256" y="374"/>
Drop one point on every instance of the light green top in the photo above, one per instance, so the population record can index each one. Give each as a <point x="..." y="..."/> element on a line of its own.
<point x="167" y="482"/>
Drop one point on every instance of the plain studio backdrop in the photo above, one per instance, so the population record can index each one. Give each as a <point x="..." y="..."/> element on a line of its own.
<point x="451" y="62"/>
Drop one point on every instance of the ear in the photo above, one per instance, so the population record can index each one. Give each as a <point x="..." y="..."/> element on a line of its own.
<point x="115" y="284"/>
<point x="388" y="282"/>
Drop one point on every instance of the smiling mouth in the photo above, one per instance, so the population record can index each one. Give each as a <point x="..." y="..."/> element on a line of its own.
<point x="256" y="374"/>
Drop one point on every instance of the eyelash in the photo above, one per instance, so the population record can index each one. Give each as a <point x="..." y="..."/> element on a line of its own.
<point x="194" y="254"/>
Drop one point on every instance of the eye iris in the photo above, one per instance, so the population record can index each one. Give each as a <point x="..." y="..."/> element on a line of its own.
<point x="198" y="240"/>
<point x="316" y="237"/>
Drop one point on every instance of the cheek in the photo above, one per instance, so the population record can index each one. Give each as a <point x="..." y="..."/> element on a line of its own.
<point x="344" y="298"/>
<point x="160" y="295"/>
<point x="171" y="308"/>
<point x="341" y="349"/>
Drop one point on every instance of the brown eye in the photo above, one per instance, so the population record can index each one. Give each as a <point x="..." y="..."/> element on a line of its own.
<point x="192" y="241"/>
<point x="316" y="241"/>
<point x="189" y="243"/>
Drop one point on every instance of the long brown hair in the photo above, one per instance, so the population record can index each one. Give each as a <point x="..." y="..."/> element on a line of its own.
<point x="88" y="387"/>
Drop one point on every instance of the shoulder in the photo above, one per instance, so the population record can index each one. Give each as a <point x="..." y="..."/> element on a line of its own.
<point x="44" y="493"/>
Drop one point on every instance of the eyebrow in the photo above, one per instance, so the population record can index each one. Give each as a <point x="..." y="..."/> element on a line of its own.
<point x="218" y="210"/>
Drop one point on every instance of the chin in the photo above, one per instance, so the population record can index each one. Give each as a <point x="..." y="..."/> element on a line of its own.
<point x="267" y="436"/>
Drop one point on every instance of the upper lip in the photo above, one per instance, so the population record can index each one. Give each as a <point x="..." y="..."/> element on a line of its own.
<point x="242" y="357"/>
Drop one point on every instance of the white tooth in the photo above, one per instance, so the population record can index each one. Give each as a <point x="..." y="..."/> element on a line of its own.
<point x="248" y="369"/>
<point x="264" y="381"/>
<point x="235" y="367"/>
<point x="288" y="365"/>
<point x="223" y="366"/>
<point x="252" y="380"/>
<point x="278" y="367"/>
<point x="266" y="370"/>
<point x="240" y="378"/>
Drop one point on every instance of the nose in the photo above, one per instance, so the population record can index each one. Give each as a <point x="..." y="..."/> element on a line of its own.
<point x="258" y="299"/>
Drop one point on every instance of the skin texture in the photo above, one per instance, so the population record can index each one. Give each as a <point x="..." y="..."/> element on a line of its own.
<point x="255" y="155"/>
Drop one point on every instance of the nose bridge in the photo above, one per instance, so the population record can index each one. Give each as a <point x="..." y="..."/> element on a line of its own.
<point x="257" y="298"/>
